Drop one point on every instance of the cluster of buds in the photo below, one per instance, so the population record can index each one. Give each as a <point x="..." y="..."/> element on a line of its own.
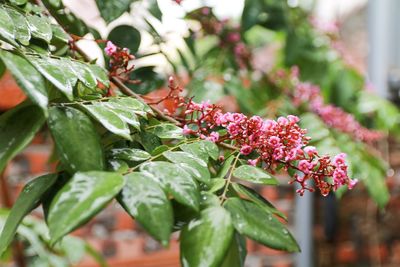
<point x="120" y="61"/>
<point x="229" y="37"/>
<point x="303" y="93"/>
<point x="269" y="144"/>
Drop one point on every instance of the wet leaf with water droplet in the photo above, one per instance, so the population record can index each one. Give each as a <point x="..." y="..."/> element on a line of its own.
<point x="145" y="201"/>
<point x="206" y="239"/>
<point x="27" y="200"/>
<point x="254" y="175"/>
<point x="81" y="199"/>
<point x="202" y="149"/>
<point x="256" y="223"/>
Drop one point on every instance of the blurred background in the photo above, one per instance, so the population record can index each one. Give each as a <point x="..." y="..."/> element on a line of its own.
<point x="346" y="47"/>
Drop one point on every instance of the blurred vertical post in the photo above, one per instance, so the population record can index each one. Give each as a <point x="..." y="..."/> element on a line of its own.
<point x="380" y="50"/>
<point x="303" y="229"/>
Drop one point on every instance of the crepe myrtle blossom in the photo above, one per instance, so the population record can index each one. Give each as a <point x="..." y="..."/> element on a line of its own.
<point x="270" y="144"/>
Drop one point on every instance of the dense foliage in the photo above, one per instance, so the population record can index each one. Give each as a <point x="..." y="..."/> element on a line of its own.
<point x="190" y="168"/>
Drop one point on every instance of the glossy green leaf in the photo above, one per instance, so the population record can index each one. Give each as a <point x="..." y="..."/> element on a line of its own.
<point x="194" y="166"/>
<point x="145" y="201"/>
<point x="155" y="9"/>
<point x="124" y="114"/>
<point x="253" y="196"/>
<point x="18" y="126"/>
<point x="202" y="149"/>
<point x="237" y="252"/>
<point x="166" y="131"/>
<point x="129" y="154"/>
<point x="18" y="2"/>
<point x="22" y="32"/>
<point x="70" y="127"/>
<point x="117" y="165"/>
<point x="84" y="73"/>
<point x="125" y="36"/>
<point x="80" y="199"/>
<point x="256" y="223"/>
<point x="40" y="28"/>
<point x="216" y="184"/>
<point x="7" y="31"/>
<point x="226" y="167"/>
<point x="149" y="141"/>
<point x="59" y="33"/>
<point x="54" y="71"/>
<point x="109" y="119"/>
<point x="28" y="199"/>
<point x="131" y="104"/>
<point x="205" y="240"/>
<point x="254" y="175"/>
<point x="175" y="181"/>
<point x="110" y="10"/>
<point x="27" y="77"/>
<point x="100" y="74"/>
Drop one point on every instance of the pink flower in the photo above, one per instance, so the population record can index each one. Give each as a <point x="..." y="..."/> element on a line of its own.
<point x="310" y="150"/>
<point x="283" y="121"/>
<point x="352" y="183"/>
<point x="252" y="162"/>
<point x="339" y="160"/>
<point x="186" y="130"/>
<point x="214" y="136"/>
<point x="110" y="48"/>
<point x="246" y="149"/>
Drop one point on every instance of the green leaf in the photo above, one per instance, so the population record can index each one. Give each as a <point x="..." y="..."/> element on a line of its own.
<point x="166" y="131"/>
<point x="145" y="201"/>
<point x="69" y="128"/>
<point x="226" y="167"/>
<point x="81" y="199"/>
<point x="84" y="73"/>
<point x="40" y="28"/>
<point x="100" y="74"/>
<point x="131" y="104"/>
<point x="194" y="166"/>
<point x="256" y="223"/>
<point x="205" y="240"/>
<point x="202" y="149"/>
<point x="27" y="77"/>
<point x="54" y="71"/>
<point x="28" y="199"/>
<point x="127" y="115"/>
<point x="110" y="10"/>
<point x="125" y="36"/>
<point x="18" y="2"/>
<point x="129" y="154"/>
<point x="254" y="175"/>
<point x="59" y="33"/>
<point x="7" y="31"/>
<point x="22" y="32"/>
<point x="155" y="9"/>
<point x="149" y="141"/>
<point x="110" y="120"/>
<point x="216" y="184"/>
<point x="18" y="126"/>
<point x="175" y="181"/>
<point x="253" y="196"/>
<point x="237" y="252"/>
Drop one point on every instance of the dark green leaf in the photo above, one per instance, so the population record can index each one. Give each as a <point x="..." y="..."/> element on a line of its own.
<point x="205" y="241"/>
<point x="40" y="28"/>
<point x="166" y="131"/>
<point x="144" y="200"/>
<point x="237" y="251"/>
<point x="7" y="31"/>
<point x="28" y="199"/>
<point x="226" y="167"/>
<point x="129" y="154"/>
<point x="125" y="36"/>
<point x="253" y="196"/>
<point x="110" y="10"/>
<point x="149" y="141"/>
<point x="127" y="115"/>
<point x="155" y="9"/>
<point x="17" y="128"/>
<point x="254" y="175"/>
<point x="22" y="32"/>
<point x="109" y="119"/>
<point x="194" y="166"/>
<point x="202" y="149"/>
<point x="70" y="127"/>
<point x="256" y="223"/>
<point x="27" y="77"/>
<point x="175" y="181"/>
<point x="54" y="71"/>
<point x="80" y="199"/>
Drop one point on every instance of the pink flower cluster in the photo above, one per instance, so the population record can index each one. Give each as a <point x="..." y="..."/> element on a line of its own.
<point x="335" y="117"/>
<point x="120" y="61"/>
<point x="269" y="143"/>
